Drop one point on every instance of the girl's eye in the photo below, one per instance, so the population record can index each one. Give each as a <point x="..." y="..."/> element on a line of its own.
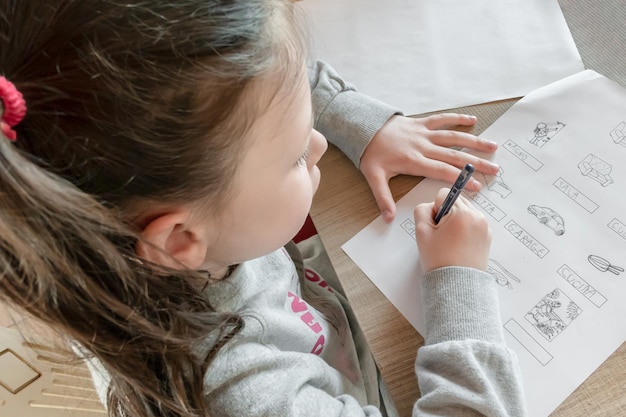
<point x="302" y="160"/>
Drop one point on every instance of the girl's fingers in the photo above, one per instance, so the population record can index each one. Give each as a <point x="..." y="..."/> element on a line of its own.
<point x="379" y="184"/>
<point x="443" y="120"/>
<point x="440" y="170"/>
<point x="424" y="213"/>
<point x="449" y="138"/>
<point x="442" y="163"/>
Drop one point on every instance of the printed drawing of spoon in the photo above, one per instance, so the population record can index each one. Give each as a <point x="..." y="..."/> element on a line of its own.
<point x="603" y="265"/>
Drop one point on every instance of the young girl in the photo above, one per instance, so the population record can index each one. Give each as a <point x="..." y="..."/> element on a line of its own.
<point x="156" y="159"/>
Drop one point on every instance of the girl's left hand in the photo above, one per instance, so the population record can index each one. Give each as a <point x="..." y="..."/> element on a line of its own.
<point x="421" y="147"/>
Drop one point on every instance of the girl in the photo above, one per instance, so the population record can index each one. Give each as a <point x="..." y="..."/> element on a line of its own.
<point x="158" y="157"/>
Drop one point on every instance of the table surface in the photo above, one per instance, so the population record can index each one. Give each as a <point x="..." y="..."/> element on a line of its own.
<point x="344" y="205"/>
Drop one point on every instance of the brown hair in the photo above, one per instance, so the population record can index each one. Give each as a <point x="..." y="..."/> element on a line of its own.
<point x="129" y="103"/>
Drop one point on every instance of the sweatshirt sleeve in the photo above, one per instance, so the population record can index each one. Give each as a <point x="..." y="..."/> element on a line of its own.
<point x="347" y="118"/>
<point x="465" y="368"/>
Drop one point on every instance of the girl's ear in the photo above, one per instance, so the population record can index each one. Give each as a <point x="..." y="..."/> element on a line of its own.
<point x="170" y="240"/>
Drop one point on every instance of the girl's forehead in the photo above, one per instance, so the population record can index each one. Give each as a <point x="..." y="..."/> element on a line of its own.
<point x="278" y="94"/>
<point x="281" y="125"/>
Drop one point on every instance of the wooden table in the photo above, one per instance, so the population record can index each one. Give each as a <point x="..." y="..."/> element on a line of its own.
<point x="344" y="205"/>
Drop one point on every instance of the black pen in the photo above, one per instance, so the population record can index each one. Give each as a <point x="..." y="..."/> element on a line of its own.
<point x="455" y="191"/>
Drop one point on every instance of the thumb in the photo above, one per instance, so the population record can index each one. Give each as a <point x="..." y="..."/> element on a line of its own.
<point x="441" y="196"/>
<point x="379" y="184"/>
<point x="439" y="199"/>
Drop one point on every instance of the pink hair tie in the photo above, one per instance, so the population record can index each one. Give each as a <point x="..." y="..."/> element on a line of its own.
<point x="14" y="107"/>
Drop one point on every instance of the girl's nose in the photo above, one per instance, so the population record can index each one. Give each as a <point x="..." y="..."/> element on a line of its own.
<point x="317" y="147"/>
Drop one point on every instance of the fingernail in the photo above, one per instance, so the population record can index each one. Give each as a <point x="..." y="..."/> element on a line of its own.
<point x="494" y="166"/>
<point x="476" y="183"/>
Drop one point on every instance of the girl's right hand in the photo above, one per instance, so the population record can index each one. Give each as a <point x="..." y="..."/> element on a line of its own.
<point x="462" y="237"/>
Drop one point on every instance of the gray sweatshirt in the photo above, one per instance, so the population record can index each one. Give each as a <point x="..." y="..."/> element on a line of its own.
<point x="302" y="352"/>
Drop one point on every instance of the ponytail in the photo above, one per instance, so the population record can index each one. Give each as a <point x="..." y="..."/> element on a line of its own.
<point x="67" y="260"/>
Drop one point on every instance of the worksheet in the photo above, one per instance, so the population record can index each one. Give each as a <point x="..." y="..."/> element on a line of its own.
<point x="558" y="215"/>
<point x="425" y="55"/>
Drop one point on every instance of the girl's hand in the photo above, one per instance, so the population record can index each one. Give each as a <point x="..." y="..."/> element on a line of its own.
<point x="421" y="147"/>
<point x="462" y="237"/>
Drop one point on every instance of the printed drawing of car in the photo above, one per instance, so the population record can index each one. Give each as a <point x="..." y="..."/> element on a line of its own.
<point x="548" y="217"/>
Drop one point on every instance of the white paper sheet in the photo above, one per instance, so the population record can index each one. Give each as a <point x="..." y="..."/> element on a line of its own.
<point x="427" y="55"/>
<point x="558" y="215"/>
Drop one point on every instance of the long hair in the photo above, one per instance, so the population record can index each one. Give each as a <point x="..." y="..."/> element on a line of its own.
<point x="129" y="103"/>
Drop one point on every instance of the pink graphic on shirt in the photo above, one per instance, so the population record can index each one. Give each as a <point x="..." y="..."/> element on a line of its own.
<point x="334" y="316"/>
<point x="314" y="277"/>
<point x="302" y="309"/>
